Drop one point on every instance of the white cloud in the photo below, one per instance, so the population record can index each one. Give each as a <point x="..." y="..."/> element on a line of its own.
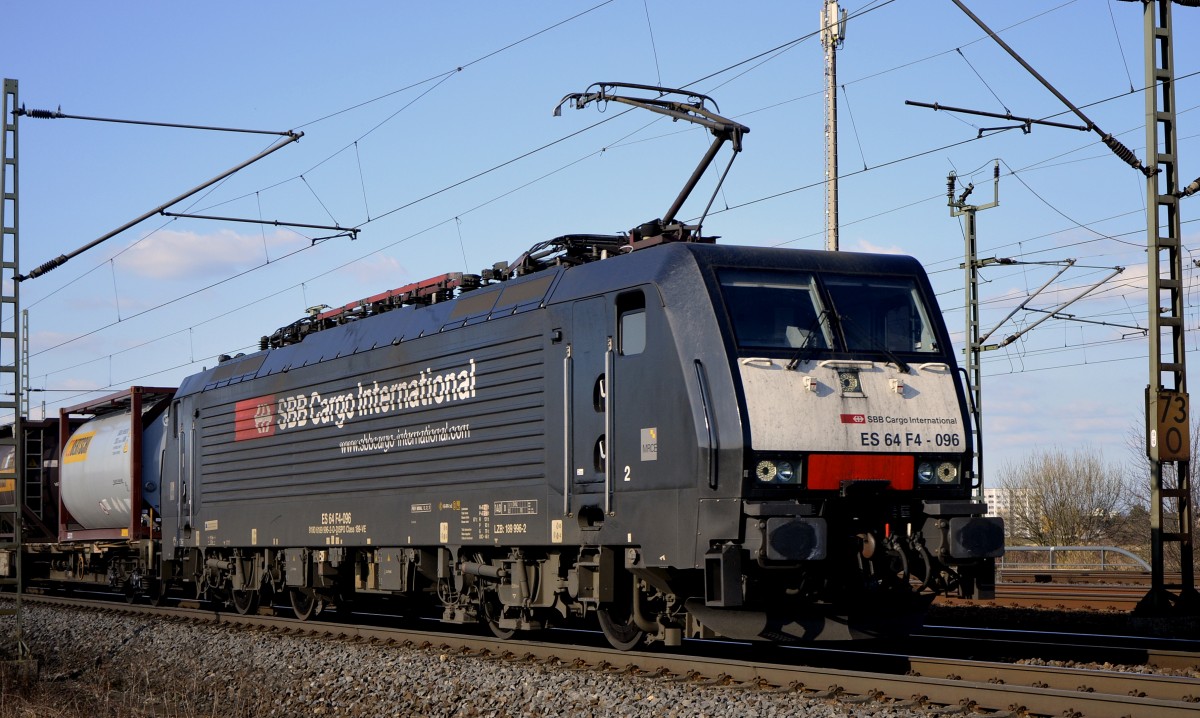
<point x="169" y="254"/>
<point x="863" y="245"/>
<point x="378" y="273"/>
<point x="1023" y="414"/>
<point x="70" y="384"/>
<point x="367" y="277"/>
<point x="41" y="341"/>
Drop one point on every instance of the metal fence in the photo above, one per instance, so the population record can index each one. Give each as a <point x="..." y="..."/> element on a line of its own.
<point x="1079" y="558"/>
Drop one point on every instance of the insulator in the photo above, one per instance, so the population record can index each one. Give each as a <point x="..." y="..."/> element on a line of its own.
<point x="43" y="114"/>
<point x="950" y="189"/>
<point x="1123" y="152"/>
<point x="39" y="271"/>
<point x="1193" y="188"/>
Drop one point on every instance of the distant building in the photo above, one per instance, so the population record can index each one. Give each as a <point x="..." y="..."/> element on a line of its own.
<point x="1001" y="501"/>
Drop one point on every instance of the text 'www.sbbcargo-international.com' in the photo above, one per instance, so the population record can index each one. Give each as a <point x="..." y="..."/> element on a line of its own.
<point x="403" y="438"/>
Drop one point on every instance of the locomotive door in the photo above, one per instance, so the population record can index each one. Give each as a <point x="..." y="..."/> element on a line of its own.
<point x="588" y="453"/>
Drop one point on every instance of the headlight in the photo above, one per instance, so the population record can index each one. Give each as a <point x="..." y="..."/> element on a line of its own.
<point x="937" y="472"/>
<point x="765" y="471"/>
<point x="947" y="473"/>
<point x="775" y="472"/>
<point x="925" y="473"/>
<point x="785" y="474"/>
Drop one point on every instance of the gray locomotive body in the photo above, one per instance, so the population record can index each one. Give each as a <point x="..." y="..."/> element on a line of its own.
<point x="687" y="439"/>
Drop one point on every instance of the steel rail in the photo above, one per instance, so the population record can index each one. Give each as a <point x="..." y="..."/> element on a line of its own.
<point x="1120" y="650"/>
<point x="1050" y="595"/>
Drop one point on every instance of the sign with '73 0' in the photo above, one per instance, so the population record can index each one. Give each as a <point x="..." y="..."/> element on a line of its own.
<point x="1168" y="436"/>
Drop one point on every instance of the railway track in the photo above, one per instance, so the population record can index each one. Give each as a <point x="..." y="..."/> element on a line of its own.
<point x="961" y="641"/>
<point x="1065" y="575"/>
<point x="1088" y="596"/>
<point x="915" y="682"/>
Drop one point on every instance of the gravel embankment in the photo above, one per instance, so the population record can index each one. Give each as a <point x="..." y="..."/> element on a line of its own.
<point x="108" y="665"/>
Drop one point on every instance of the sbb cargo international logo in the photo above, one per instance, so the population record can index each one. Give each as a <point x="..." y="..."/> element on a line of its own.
<point x="254" y="418"/>
<point x="268" y="415"/>
<point x="854" y="418"/>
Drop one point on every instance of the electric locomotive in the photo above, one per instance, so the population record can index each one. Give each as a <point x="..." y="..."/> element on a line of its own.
<point x="671" y="437"/>
<point x="685" y="439"/>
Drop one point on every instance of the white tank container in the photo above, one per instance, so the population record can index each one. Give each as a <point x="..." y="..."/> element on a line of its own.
<point x="96" y="472"/>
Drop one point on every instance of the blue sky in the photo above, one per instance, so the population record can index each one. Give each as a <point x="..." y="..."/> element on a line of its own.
<point x="433" y="121"/>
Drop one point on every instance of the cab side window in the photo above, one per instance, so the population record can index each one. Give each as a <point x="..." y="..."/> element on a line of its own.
<point x="631" y="323"/>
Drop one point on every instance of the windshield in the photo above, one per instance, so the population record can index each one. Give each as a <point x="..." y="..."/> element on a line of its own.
<point x="881" y="314"/>
<point x="775" y="309"/>
<point x="784" y="310"/>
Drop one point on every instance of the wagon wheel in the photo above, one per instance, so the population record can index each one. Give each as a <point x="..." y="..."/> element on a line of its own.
<point x="305" y="604"/>
<point x="245" y="602"/>
<point x="131" y="592"/>
<point x="619" y="628"/>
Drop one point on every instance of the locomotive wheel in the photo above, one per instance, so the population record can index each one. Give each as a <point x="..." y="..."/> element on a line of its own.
<point x="305" y="604"/>
<point x="491" y="613"/>
<point x="344" y="604"/>
<point x="622" y="634"/>
<point x="245" y="602"/>
<point x="158" y="593"/>
<point x="502" y="633"/>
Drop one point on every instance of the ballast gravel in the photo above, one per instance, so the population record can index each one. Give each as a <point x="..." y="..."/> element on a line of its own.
<point x="146" y="667"/>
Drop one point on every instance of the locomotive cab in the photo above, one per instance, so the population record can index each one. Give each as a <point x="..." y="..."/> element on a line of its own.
<point x="856" y="472"/>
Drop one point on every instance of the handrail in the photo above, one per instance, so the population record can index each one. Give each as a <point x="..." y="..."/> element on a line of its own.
<point x="568" y="464"/>
<point x="1053" y="564"/>
<point x="609" y="428"/>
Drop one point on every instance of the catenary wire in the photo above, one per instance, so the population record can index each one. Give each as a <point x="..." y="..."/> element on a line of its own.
<point x="873" y="215"/>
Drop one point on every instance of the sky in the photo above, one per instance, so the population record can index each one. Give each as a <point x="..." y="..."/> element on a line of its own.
<point x="429" y="126"/>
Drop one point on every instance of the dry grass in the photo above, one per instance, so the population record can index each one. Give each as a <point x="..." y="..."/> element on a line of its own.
<point x="124" y="691"/>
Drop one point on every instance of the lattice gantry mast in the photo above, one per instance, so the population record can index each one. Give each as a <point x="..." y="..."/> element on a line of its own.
<point x="10" y="375"/>
<point x="1167" y="412"/>
<point x="972" y="344"/>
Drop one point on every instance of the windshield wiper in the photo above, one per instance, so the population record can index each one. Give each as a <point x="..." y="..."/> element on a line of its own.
<point x="871" y="345"/>
<point x="804" y="349"/>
